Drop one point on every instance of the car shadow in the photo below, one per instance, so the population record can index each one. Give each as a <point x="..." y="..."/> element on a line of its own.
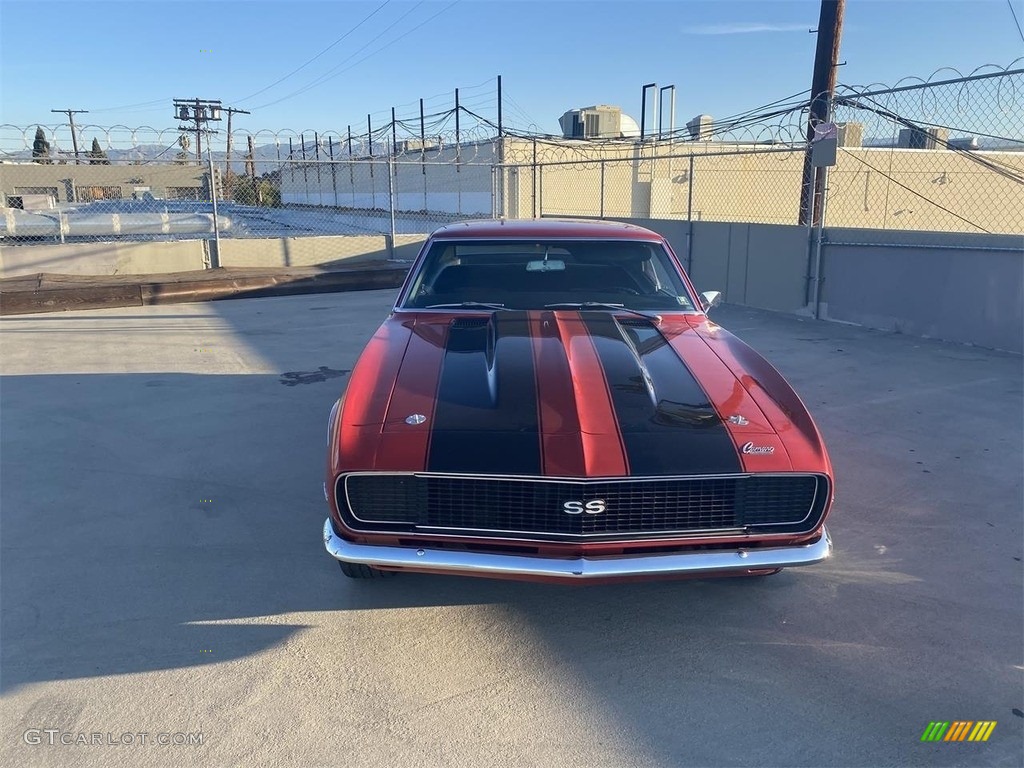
<point x="159" y="521"/>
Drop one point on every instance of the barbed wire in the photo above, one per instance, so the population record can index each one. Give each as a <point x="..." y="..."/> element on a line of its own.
<point x="988" y="102"/>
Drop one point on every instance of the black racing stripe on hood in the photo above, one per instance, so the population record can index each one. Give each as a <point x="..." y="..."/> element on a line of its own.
<point x="486" y="419"/>
<point x="667" y="421"/>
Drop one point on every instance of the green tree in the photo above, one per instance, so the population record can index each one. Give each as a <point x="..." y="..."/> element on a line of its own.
<point x="96" y="155"/>
<point x="261" y="192"/>
<point x="41" y="147"/>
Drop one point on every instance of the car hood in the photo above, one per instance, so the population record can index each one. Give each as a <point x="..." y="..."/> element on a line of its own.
<point x="569" y="394"/>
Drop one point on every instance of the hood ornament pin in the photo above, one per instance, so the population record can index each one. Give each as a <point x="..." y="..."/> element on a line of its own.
<point x="416" y="418"/>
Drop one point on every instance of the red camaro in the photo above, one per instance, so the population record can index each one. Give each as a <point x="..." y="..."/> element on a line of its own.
<point x="548" y="400"/>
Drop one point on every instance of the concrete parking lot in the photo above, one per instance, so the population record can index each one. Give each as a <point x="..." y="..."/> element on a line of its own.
<point x="162" y="571"/>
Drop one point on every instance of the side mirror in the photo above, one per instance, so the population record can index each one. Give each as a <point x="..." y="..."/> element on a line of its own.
<point x="711" y="299"/>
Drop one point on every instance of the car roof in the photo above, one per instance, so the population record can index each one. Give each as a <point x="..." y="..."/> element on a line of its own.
<point x="498" y="229"/>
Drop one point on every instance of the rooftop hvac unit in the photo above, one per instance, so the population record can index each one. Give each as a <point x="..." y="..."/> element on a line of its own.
<point x="700" y="128"/>
<point x="598" y="121"/>
<point x="923" y="138"/>
<point x="851" y="134"/>
<point x="967" y="142"/>
<point x="417" y="145"/>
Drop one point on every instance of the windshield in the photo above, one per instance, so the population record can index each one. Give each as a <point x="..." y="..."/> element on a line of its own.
<point x="537" y="273"/>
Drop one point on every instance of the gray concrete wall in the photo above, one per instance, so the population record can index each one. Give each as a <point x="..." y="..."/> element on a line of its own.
<point x="957" y="287"/>
<point x="119" y="258"/>
<point x="757" y="265"/>
<point x="953" y="286"/>
<point x="315" y="251"/>
<point x="122" y="258"/>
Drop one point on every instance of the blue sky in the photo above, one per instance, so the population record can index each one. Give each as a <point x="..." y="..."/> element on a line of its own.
<point x="724" y="56"/>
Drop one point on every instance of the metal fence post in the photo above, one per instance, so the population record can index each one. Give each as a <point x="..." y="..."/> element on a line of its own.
<point x="602" y="189"/>
<point x="816" y="275"/>
<point x="334" y="177"/>
<point x="534" y="174"/>
<point x="494" y="191"/>
<point x="819" y="206"/>
<point x="391" y="199"/>
<point x="215" y="256"/>
<point x="540" y="192"/>
<point x="689" y="216"/>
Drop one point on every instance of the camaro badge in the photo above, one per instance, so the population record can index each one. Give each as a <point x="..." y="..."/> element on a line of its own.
<point x="592" y="507"/>
<point x="758" y="450"/>
<point x="737" y="419"/>
<point x="416" y="418"/>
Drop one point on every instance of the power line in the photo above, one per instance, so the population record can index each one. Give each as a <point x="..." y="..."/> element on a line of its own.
<point x="915" y="192"/>
<point x="332" y="74"/>
<point x="1010" y="4"/>
<point x="327" y="75"/>
<point x="154" y="103"/>
<point x="1000" y="168"/>
<point x="298" y="69"/>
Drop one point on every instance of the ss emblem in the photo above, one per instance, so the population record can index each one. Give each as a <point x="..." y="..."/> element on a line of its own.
<point x="593" y="507"/>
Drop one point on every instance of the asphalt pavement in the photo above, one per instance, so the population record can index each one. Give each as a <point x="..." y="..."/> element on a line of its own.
<point x="162" y="575"/>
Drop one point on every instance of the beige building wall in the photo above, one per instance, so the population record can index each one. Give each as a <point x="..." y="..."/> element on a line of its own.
<point x="72" y="183"/>
<point x="883" y="188"/>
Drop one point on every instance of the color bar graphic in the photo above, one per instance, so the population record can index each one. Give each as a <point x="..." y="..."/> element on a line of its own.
<point x="958" y="730"/>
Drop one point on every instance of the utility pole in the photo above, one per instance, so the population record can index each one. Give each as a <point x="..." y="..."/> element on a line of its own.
<point x="71" y="119"/>
<point x="250" y="161"/>
<point x="199" y="111"/>
<point x="231" y="111"/>
<point x="823" y="86"/>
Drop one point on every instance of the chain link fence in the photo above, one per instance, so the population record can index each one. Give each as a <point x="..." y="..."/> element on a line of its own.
<point x="944" y="155"/>
<point x="735" y="183"/>
<point x="47" y="203"/>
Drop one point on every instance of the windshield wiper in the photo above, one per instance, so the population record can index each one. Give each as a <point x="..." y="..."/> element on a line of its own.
<point x="601" y="305"/>
<point x="467" y="305"/>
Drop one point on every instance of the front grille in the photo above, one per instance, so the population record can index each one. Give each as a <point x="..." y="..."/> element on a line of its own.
<point x="534" y="508"/>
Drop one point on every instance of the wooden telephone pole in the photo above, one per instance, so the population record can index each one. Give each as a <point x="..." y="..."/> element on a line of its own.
<point x="71" y="119"/>
<point x="231" y="111"/>
<point x="823" y="86"/>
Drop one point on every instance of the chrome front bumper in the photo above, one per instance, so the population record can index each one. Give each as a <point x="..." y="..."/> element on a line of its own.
<point x="616" y="566"/>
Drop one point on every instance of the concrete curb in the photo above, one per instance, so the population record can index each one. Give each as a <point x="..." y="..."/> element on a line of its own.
<point x="56" y="293"/>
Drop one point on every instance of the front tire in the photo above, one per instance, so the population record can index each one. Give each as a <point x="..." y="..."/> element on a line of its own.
<point x="361" y="571"/>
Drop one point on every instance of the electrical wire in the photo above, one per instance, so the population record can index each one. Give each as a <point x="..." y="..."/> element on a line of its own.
<point x="334" y="72"/>
<point x="1007" y="171"/>
<point x="131" y="106"/>
<point x="301" y="67"/>
<point x="915" y="192"/>
<point x="1019" y="32"/>
<point x="330" y="72"/>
